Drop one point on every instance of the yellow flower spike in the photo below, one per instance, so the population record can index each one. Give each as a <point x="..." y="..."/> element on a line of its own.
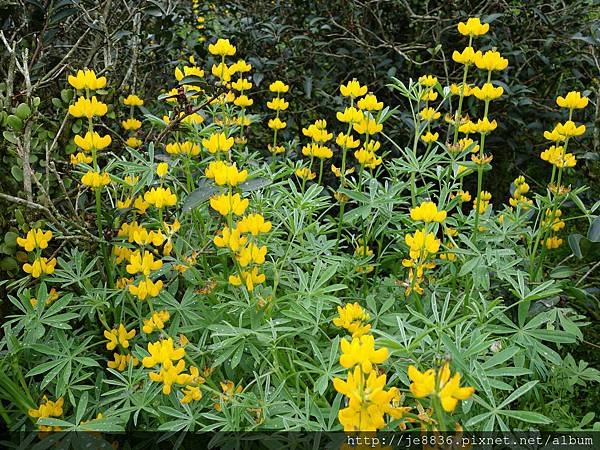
<point x="81" y="158"/>
<point x="278" y="104"/>
<point x="89" y="108"/>
<point x="367" y="125"/>
<point x="361" y="351"/>
<point x="141" y="205"/>
<point x="241" y="66"/>
<point x="92" y="141"/>
<point x="241" y="85"/>
<point x="221" y="71"/>
<point x="573" y="100"/>
<point x="352" y="317"/>
<point x="133" y="142"/>
<point x="131" y="124"/>
<point x="347" y="141"/>
<point x="423" y="384"/>
<point x="248" y="278"/>
<point x="427" y="212"/>
<point x="254" y="224"/>
<point x="466" y="57"/>
<point x="276" y="124"/>
<point x="367" y="158"/>
<point x="353" y="89"/>
<point x="429" y="96"/>
<point x="553" y="242"/>
<point x="473" y="27"/>
<point x="226" y="203"/>
<point x="455" y="89"/>
<point x="225" y="174"/>
<point x="490" y="60"/>
<point x="485" y="126"/>
<point x="317" y="151"/>
<point x="569" y="129"/>
<point x="47" y="408"/>
<point x="35" y="238"/>
<point x="95" y="180"/>
<point x="133" y="100"/>
<point x="448" y="388"/>
<point x="188" y="71"/>
<point x="487" y="92"/>
<point x="218" y="142"/>
<point x="369" y="103"/>
<point x="160" y="197"/>
<point x="222" y="48"/>
<point x="162" y="169"/>
<point x="86" y="79"/>
<point x="183" y="148"/>
<point x="279" y="87"/>
<point x="243" y="101"/>
<point x="421" y="244"/>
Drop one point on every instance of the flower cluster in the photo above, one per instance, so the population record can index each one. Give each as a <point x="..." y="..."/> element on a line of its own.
<point x="37" y="240"/>
<point x="519" y="197"/>
<point x="352" y="317"/>
<point x="277" y="104"/>
<point x="447" y="389"/>
<point x="48" y="408"/>
<point x="131" y="123"/>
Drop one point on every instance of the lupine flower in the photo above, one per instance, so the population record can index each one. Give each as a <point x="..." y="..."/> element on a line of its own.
<point x="89" y="108"/>
<point x="48" y="408"/>
<point x="142" y="263"/>
<point x="485" y="126"/>
<point x="160" y="197"/>
<point x="225" y="174"/>
<point x="86" y="79"/>
<point x="183" y="148"/>
<point x="569" y="129"/>
<point x="121" y="362"/>
<point x="429" y="114"/>
<point x="218" y="142"/>
<point x="573" y="100"/>
<point x="317" y="151"/>
<point x="252" y="254"/>
<point x="367" y="125"/>
<point x="367" y="158"/>
<point x="249" y="278"/>
<point x="278" y="87"/>
<point x="243" y="101"/>
<point x="146" y="288"/>
<point x="254" y="224"/>
<point x="352" y="317"/>
<point x="222" y="48"/>
<point x="131" y="124"/>
<point x="448" y="389"/>
<point x="118" y="336"/>
<point x="133" y="100"/>
<point x="556" y="156"/>
<point x="427" y="212"/>
<point x="278" y="104"/>
<point x="133" y="142"/>
<point x="428" y="80"/>
<point x="488" y="92"/>
<point x="369" y="103"/>
<point x="92" y="141"/>
<point x="157" y="321"/>
<point x="162" y="169"/>
<point x="422" y="244"/>
<point x="305" y="173"/>
<point x="430" y="137"/>
<point x="95" y="179"/>
<point x="353" y="89"/>
<point x="466" y="57"/>
<point x="228" y="203"/>
<point x="35" y="238"/>
<point x="361" y="352"/>
<point x="553" y="242"/>
<point x="490" y="60"/>
<point x="276" y="124"/>
<point x="40" y="266"/>
<point x="230" y="238"/>
<point x="350" y="115"/>
<point x="473" y="27"/>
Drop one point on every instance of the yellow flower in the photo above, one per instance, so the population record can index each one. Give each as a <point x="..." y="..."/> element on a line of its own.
<point x="122" y="361"/>
<point x="485" y="126"/>
<point x="569" y="129"/>
<point x="188" y="71"/>
<point x="35" y="238"/>
<point x="221" y="71"/>
<point x="230" y="238"/>
<point x="254" y="224"/>
<point x="95" y="179"/>
<point x="353" y="89"/>
<point x="252" y="253"/>
<point x="81" y="158"/>
<point x="361" y="352"/>
<point x="118" y="336"/>
<point x="225" y="174"/>
<point x="369" y="103"/>
<point x="448" y="389"/>
<point x="553" y="242"/>
<point x="490" y="60"/>
<point x="346" y="141"/>
<point x="146" y="288"/>
<point x="305" y="173"/>
<point x="160" y="197"/>
<point x="367" y="125"/>
<point x="141" y="236"/>
<point x="191" y="393"/>
<point x="218" y="142"/>
<point x="473" y="27"/>
<point x="368" y="402"/>
<point x="183" y="148"/>
<point x="429" y="114"/>
<point x="89" y="108"/>
<point x="455" y="89"/>
<point x="243" y="101"/>
<point x="222" y="48"/>
<point x="367" y="158"/>
<point x="278" y="87"/>
<point x="157" y="321"/>
<point x="276" y="149"/>
<point x="352" y="318"/>
<point x="427" y="212"/>
<point x="142" y="263"/>
<point x="276" y="124"/>
<point x="421" y="245"/>
<point x="225" y="204"/>
<point x="429" y="96"/>
<point x="162" y="169"/>
<point x="92" y="141"/>
<point x="466" y="57"/>
<point x="40" y="266"/>
<point x="131" y="124"/>
<point x="133" y="142"/>
<point x="248" y="278"/>
<point x="573" y="100"/>
<point x="350" y="115"/>
<point x="430" y="137"/>
<point x="47" y="408"/>
<point x="317" y="151"/>
<point x="241" y="85"/>
<point x="468" y="128"/>
<point x="86" y="79"/>
<point x="140" y="204"/>
<point x="338" y="173"/>
<point x="488" y="92"/>
<point x="241" y="66"/>
<point x="463" y="196"/>
<point x="133" y="100"/>
<point x="428" y="80"/>
<point x="278" y="104"/>
<point x="556" y="156"/>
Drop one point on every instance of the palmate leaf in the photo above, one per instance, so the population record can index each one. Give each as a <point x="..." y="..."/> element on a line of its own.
<point x="207" y="189"/>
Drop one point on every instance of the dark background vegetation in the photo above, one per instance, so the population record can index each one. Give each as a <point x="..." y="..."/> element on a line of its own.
<point x="552" y="46"/>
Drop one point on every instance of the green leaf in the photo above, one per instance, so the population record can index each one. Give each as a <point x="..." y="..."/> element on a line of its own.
<point x="9" y="136"/>
<point x="594" y="231"/>
<point x="518" y="393"/>
<point x="14" y="122"/>
<point x="81" y="406"/>
<point x="527" y="416"/>
<point x="205" y="190"/>
<point x="254" y="184"/>
<point x="23" y="111"/>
